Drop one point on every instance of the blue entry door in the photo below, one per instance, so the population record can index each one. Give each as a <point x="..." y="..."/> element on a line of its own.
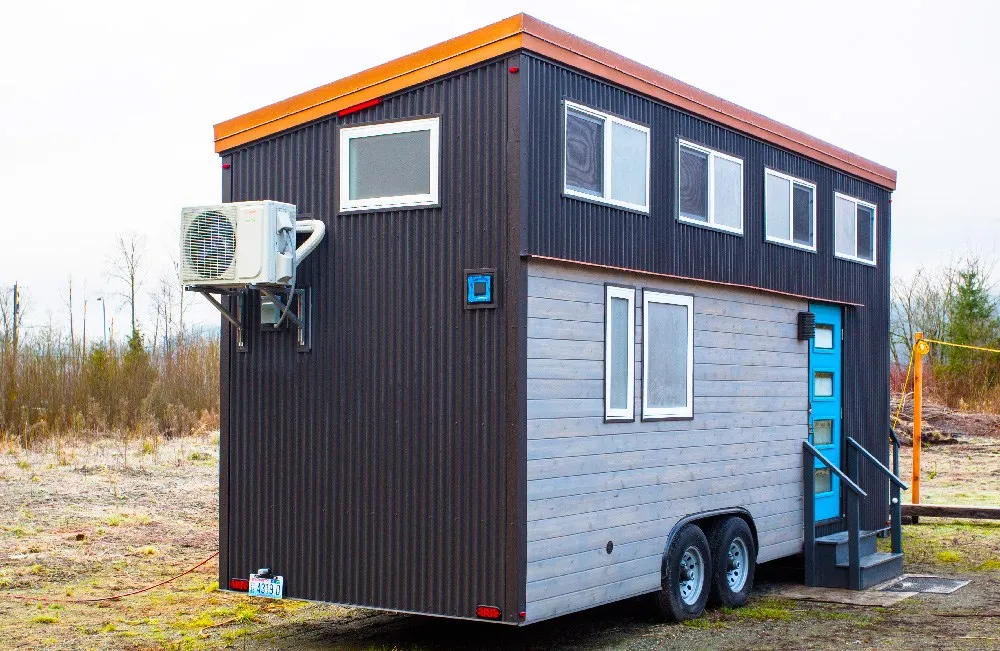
<point x="825" y="352"/>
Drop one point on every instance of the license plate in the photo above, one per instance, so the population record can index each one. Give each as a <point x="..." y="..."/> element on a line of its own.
<point x="271" y="587"/>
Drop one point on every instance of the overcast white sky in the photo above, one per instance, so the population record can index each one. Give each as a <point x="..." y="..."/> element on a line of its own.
<point x="106" y="109"/>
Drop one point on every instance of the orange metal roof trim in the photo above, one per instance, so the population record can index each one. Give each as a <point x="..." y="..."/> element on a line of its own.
<point x="524" y="32"/>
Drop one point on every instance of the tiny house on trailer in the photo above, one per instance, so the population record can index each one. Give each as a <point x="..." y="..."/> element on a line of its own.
<point x="577" y="332"/>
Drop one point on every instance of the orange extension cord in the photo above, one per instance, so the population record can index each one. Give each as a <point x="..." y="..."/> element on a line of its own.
<point x="118" y="596"/>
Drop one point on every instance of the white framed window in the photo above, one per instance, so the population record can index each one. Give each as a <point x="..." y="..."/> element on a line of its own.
<point x="619" y="353"/>
<point x="605" y="158"/>
<point x="667" y="355"/>
<point x="789" y="210"/>
<point x="389" y="165"/>
<point x="709" y="188"/>
<point x="854" y="229"/>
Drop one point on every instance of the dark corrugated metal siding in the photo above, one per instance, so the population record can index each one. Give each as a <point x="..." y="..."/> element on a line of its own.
<point x="571" y="229"/>
<point x="374" y="470"/>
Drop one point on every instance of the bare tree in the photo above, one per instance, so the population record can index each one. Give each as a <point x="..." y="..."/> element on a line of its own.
<point x="919" y="304"/>
<point x="11" y="320"/>
<point x="12" y="304"/>
<point x="166" y="312"/>
<point x="127" y="266"/>
<point x="83" y="346"/>
<point x="69" y="308"/>
<point x="182" y="305"/>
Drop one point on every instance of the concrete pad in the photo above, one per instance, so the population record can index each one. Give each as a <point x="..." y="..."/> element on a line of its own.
<point x="870" y="597"/>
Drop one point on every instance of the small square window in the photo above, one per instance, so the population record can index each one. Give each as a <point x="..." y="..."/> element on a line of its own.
<point x="824" y="336"/>
<point x="709" y="188"/>
<point x="824" y="480"/>
<point x="389" y="165"/>
<point x="823" y="384"/>
<point x="606" y="158"/>
<point x="789" y="210"/>
<point x="854" y="229"/>
<point x="823" y="432"/>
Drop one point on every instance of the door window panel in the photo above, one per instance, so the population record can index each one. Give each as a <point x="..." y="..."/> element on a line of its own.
<point x="824" y="336"/>
<point x="823" y="384"/>
<point x="824" y="480"/>
<point x="823" y="432"/>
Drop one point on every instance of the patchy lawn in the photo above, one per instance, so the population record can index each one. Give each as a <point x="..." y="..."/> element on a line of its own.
<point x="966" y="472"/>
<point x="76" y="523"/>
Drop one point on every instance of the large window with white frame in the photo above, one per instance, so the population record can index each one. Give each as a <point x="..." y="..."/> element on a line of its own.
<point x="619" y="353"/>
<point x="709" y="188"/>
<point x="389" y="165"/>
<point x="854" y="229"/>
<point x="667" y="355"/>
<point x="789" y="210"/>
<point x="606" y="159"/>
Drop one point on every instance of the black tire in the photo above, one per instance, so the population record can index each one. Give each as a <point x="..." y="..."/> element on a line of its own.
<point x="734" y="562"/>
<point x="684" y="592"/>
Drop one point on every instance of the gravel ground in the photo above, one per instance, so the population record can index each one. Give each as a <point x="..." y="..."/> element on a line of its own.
<point x="76" y="522"/>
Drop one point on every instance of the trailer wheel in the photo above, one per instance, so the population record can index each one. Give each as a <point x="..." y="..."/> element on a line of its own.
<point x="735" y="560"/>
<point x="686" y="577"/>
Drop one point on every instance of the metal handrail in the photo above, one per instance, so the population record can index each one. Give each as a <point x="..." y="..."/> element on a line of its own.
<point x="878" y="464"/>
<point x="809" y="516"/>
<point x="809" y="453"/>
<point x="806" y="445"/>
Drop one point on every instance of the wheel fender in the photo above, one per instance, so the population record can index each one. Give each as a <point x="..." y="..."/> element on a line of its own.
<point x="704" y="515"/>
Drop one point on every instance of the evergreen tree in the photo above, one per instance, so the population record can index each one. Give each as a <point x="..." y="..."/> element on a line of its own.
<point x="971" y="320"/>
<point x="138" y="375"/>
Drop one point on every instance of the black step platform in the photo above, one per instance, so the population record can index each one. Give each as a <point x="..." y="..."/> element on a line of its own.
<point x="832" y="561"/>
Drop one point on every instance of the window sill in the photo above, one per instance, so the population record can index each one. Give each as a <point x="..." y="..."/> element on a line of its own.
<point x="791" y="245"/>
<point x="851" y="258"/>
<point x="390" y="207"/>
<point x="649" y="418"/>
<point x="712" y="227"/>
<point x="610" y="203"/>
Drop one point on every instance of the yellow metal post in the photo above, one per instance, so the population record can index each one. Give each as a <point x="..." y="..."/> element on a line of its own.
<point x="920" y="348"/>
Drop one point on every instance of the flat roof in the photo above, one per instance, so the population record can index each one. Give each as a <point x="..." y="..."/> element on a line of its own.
<point x="528" y="33"/>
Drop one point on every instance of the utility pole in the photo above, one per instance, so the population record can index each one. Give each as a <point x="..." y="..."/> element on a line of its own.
<point x="104" y="318"/>
<point x="83" y="349"/>
<point x="17" y="309"/>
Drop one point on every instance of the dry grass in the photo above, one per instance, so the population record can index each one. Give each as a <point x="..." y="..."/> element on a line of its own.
<point x="966" y="472"/>
<point x="91" y="528"/>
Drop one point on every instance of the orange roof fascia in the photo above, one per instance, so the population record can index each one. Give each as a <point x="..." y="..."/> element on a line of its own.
<point x="457" y="53"/>
<point x="524" y="32"/>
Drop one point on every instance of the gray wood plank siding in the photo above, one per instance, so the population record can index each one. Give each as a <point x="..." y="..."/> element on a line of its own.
<point x="590" y="481"/>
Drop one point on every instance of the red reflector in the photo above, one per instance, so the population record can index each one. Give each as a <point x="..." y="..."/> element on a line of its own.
<point x="523" y="615"/>
<point x="241" y="585"/>
<point x="487" y="612"/>
<point x="513" y="70"/>
<point x="359" y="107"/>
<point x="226" y="166"/>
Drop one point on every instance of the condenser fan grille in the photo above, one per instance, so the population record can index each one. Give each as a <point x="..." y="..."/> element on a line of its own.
<point x="209" y="246"/>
